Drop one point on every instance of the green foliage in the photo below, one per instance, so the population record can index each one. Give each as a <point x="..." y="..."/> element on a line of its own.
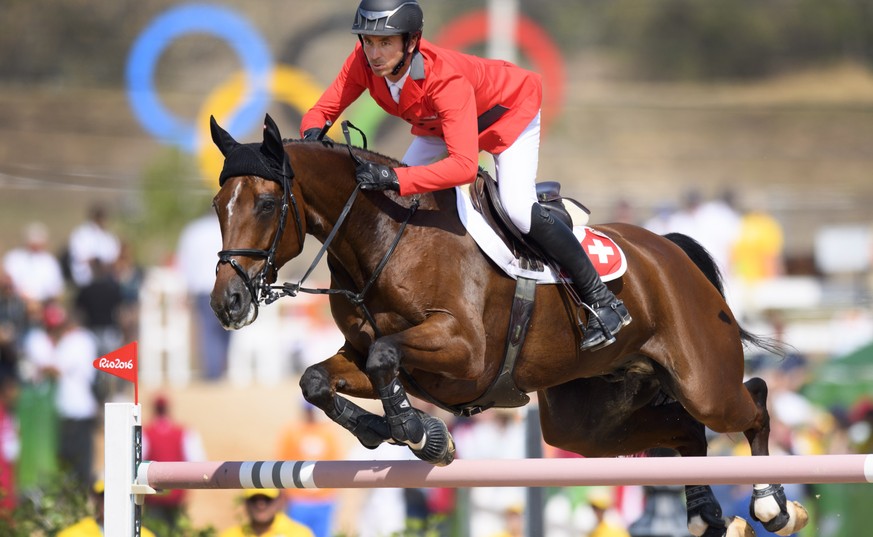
<point x="47" y="510"/>
<point x="184" y="527"/>
<point x="60" y="503"/>
<point x="171" y="194"/>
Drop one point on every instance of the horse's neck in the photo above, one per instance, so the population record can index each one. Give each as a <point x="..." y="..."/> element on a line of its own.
<point x="327" y="183"/>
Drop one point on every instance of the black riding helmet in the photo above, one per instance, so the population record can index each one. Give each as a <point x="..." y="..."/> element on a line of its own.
<point x="389" y="17"/>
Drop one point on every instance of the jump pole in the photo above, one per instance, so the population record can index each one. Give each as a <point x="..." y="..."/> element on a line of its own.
<point x="128" y="478"/>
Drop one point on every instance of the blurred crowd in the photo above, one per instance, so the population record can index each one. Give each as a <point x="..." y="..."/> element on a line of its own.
<point x="60" y="310"/>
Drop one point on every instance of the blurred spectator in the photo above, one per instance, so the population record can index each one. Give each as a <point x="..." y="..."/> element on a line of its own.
<point x="513" y="525"/>
<point x="91" y="240"/>
<point x="13" y="321"/>
<point x="13" y="314"/>
<point x="382" y="511"/>
<point x="757" y="252"/>
<point x="608" y="523"/>
<point x="659" y="222"/>
<point x="9" y="440"/>
<point x="264" y="516"/>
<point x="97" y="304"/>
<point x="495" y="434"/>
<point x="312" y="439"/>
<point x="714" y="224"/>
<point x="196" y="257"/>
<point x="861" y="428"/>
<point x="92" y="526"/>
<point x="69" y="361"/>
<point x="35" y="272"/>
<point x="164" y="439"/>
<point x="130" y="276"/>
<point x="623" y="211"/>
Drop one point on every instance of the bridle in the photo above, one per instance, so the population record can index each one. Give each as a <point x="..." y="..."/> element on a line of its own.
<point x="264" y="292"/>
<point x="259" y="286"/>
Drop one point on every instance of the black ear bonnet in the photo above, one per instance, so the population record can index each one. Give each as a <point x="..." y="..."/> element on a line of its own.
<point x="248" y="159"/>
<point x="267" y="159"/>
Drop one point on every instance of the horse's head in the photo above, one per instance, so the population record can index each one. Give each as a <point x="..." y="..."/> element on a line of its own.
<point x="256" y="205"/>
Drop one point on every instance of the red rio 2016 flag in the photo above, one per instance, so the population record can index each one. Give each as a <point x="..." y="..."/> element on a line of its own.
<point x="122" y="363"/>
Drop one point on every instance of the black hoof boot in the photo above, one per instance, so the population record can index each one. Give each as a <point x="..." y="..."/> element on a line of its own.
<point x="439" y="447"/>
<point x="403" y="420"/>
<point x="603" y="324"/>
<point x="372" y="431"/>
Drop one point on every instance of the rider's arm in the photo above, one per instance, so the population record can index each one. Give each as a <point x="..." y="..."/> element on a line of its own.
<point x="455" y="104"/>
<point x="345" y="89"/>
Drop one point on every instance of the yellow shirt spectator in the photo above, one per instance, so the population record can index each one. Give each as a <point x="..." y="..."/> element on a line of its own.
<point x="264" y="510"/>
<point x="88" y="527"/>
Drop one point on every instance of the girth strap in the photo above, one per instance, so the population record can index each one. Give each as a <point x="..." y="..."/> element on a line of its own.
<point x="503" y="391"/>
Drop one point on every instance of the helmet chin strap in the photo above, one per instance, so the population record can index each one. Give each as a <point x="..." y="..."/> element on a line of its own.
<point x="402" y="61"/>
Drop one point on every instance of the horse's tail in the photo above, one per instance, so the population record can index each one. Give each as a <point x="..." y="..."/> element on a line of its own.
<point x="704" y="261"/>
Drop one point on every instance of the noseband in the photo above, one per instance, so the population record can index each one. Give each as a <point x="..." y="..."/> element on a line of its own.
<point x="259" y="286"/>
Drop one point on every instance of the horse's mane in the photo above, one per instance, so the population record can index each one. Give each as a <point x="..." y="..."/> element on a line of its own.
<point x="365" y="154"/>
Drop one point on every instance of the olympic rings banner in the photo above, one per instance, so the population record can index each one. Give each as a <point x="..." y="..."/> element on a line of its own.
<point x="241" y="102"/>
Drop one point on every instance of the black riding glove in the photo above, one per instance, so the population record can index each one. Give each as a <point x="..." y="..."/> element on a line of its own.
<point x="372" y="176"/>
<point x="311" y="134"/>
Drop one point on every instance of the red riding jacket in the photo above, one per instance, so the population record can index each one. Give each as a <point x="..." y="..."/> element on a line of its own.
<point x="447" y="94"/>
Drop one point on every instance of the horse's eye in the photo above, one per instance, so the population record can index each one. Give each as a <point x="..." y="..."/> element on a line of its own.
<point x="268" y="206"/>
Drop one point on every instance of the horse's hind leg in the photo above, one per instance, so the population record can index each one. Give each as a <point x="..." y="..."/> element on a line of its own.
<point x="618" y="425"/>
<point x="769" y="504"/>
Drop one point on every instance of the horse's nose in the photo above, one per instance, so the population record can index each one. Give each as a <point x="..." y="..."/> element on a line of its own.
<point x="228" y="305"/>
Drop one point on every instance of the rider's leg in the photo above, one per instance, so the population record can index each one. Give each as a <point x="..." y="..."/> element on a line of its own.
<point x="516" y="181"/>
<point x="559" y="243"/>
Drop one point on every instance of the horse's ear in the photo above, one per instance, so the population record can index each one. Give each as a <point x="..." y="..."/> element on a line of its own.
<point x="272" y="146"/>
<point x="221" y="137"/>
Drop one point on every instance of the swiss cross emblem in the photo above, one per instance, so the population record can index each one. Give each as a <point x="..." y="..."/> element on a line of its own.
<point x="605" y="255"/>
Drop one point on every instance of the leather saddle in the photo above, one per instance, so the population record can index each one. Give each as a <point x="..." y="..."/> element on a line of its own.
<point x="486" y="201"/>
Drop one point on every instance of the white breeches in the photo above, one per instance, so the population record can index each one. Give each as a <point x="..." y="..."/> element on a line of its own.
<point x="516" y="169"/>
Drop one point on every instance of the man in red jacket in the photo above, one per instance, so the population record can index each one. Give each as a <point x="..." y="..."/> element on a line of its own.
<point x="459" y="105"/>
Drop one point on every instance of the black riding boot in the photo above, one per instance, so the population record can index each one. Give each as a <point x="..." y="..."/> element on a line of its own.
<point x="558" y="242"/>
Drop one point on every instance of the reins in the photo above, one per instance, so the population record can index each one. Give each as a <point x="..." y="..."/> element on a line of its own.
<point x="269" y="293"/>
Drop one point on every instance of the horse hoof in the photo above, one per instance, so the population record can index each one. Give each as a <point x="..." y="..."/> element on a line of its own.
<point x="698" y="528"/>
<point x="738" y="527"/>
<point x="798" y="517"/>
<point x="439" y="447"/>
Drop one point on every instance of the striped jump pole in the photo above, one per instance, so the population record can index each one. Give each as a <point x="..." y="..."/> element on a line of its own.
<point x="128" y="478"/>
<point x="811" y="469"/>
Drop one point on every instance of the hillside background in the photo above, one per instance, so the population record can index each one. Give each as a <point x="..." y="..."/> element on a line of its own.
<point x="771" y="99"/>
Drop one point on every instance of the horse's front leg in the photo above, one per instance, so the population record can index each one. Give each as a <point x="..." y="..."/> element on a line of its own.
<point x="427" y="436"/>
<point x="440" y="345"/>
<point x="320" y="384"/>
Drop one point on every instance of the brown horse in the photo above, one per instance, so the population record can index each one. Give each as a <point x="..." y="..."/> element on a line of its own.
<point x="423" y="311"/>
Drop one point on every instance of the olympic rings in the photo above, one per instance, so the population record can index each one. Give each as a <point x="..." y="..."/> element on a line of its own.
<point x="241" y="102"/>
<point x="220" y="22"/>
<point x="288" y="84"/>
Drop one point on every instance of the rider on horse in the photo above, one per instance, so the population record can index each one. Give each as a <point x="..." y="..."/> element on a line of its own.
<point x="458" y="105"/>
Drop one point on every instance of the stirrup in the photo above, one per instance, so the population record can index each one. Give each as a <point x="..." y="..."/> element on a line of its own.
<point x="607" y="334"/>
